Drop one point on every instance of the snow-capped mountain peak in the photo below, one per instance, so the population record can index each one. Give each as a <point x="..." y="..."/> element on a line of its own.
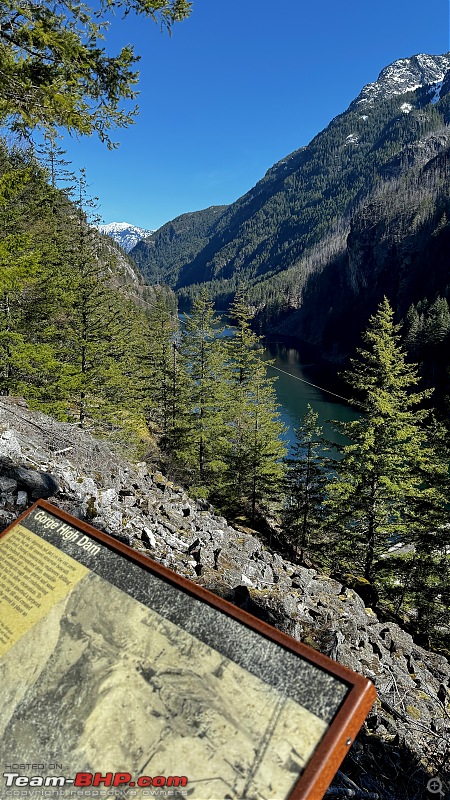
<point x="405" y="75"/>
<point x="124" y="233"/>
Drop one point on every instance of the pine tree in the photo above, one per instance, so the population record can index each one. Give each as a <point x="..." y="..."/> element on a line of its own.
<point x="304" y="488"/>
<point x="379" y="477"/>
<point x="56" y="71"/>
<point x="156" y="357"/>
<point x="437" y="324"/>
<point x="53" y="159"/>
<point x="202" y="354"/>
<point x="96" y="343"/>
<point x="27" y="363"/>
<point x="253" y="460"/>
<point x="67" y="333"/>
<point x="412" y="331"/>
<point x="427" y="584"/>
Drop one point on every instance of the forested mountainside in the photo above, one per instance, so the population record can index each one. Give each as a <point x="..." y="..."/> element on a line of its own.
<point x="356" y="214"/>
<point x="397" y="245"/>
<point x="161" y="256"/>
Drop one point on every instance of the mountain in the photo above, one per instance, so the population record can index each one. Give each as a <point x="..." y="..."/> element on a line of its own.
<point x="124" y="233"/>
<point x="397" y="244"/>
<point x="293" y="238"/>
<point x="162" y="255"/>
<point x="405" y="75"/>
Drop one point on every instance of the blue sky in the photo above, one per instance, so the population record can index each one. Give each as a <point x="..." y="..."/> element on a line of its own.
<point x="238" y="86"/>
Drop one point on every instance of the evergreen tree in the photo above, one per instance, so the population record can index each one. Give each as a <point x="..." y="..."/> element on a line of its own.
<point x="412" y="330"/>
<point x="304" y="488"/>
<point x="56" y="72"/>
<point x="154" y="361"/>
<point x="53" y="159"/>
<point x="426" y="338"/>
<point x="265" y="448"/>
<point x="67" y="337"/>
<point x="96" y="345"/>
<point x="159" y="371"/>
<point x="437" y="325"/>
<point x="253" y="459"/>
<point x="427" y="586"/>
<point x="27" y="363"/>
<point x="380" y="475"/>
<point x="202" y="353"/>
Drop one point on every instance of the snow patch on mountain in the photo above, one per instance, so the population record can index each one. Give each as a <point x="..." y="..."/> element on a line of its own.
<point x="125" y="234"/>
<point x="405" y="75"/>
<point x="406" y="108"/>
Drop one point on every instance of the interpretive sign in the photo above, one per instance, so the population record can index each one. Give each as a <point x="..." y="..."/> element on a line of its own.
<point x="120" y="679"/>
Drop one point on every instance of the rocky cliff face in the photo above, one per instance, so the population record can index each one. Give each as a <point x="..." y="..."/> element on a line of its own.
<point x="405" y="75"/>
<point x="406" y="738"/>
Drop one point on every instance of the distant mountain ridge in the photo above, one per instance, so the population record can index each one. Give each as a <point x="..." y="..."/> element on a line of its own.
<point x="124" y="233"/>
<point x="162" y="255"/>
<point x="307" y="194"/>
<point x="361" y="212"/>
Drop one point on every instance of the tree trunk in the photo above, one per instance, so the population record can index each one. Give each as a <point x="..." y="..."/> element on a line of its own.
<point x="370" y="552"/>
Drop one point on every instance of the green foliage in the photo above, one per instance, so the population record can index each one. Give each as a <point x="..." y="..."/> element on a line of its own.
<point x="391" y="486"/>
<point x="56" y="71"/>
<point x="379" y="476"/>
<point x="157" y="359"/>
<point x="253" y="460"/>
<point x="304" y="489"/>
<point x="24" y="358"/>
<point x="68" y="333"/>
<point x="202" y="354"/>
<point x="223" y="437"/>
<point x="427" y="338"/>
<point x="427" y="588"/>
<point x="164" y="253"/>
<point x="79" y="341"/>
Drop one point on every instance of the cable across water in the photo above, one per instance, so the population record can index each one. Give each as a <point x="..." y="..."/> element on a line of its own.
<point x="296" y="378"/>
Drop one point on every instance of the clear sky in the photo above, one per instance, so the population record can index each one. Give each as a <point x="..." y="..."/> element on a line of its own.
<point x="237" y="87"/>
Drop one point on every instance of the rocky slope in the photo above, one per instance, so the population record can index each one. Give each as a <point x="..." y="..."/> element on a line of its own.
<point x="405" y="75"/>
<point x="407" y="735"/>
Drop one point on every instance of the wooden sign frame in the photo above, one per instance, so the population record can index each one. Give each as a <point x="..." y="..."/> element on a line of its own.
<point x="360" y="693"/>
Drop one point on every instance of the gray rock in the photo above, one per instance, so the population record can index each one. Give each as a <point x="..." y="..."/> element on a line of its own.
<point x="9" y="445"/>
<point x="39" y="484"/>
<point x="147" y="537"/>
<point x="6" y="518"/>
<point x="7" y="485"/>
<point x="22" y="499"/>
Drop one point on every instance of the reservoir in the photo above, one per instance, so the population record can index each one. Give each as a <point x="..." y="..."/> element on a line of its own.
<point x="296" y="371"/>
